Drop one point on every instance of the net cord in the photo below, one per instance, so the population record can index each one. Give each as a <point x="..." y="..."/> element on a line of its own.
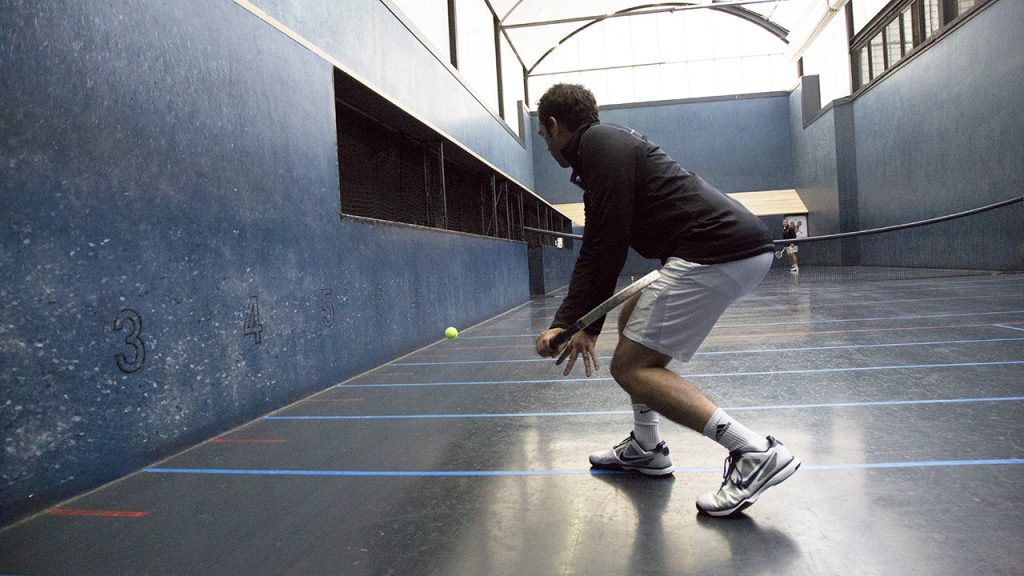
<point x="900" y="226"/>
<point x="841" y="234"/>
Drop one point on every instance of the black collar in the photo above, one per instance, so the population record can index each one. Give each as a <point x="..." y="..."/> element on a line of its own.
<point x="571" y="151"/>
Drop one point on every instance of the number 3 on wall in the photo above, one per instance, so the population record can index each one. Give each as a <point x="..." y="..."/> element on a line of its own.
<point x="132" y="339"/>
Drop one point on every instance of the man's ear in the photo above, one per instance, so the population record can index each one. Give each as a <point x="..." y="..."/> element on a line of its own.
<point x="553" y="126"/>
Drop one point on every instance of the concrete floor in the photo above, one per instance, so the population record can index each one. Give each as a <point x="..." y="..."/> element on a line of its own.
<point x="902" y="398"/>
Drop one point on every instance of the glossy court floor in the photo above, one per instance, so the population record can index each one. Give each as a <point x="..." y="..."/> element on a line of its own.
<point x="903" y="398"/>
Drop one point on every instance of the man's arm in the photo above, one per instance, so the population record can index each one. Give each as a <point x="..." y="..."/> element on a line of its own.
<point x="609" y="165"/>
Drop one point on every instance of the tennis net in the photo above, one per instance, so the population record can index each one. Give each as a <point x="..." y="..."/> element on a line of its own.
<point x="984" y="240"/>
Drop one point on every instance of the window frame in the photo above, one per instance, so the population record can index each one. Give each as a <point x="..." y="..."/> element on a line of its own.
<point x="862" y="44"/>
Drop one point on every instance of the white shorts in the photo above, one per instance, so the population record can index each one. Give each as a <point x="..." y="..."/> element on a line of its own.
<point x="792" y="249"/>
<point x="675" y="313"/>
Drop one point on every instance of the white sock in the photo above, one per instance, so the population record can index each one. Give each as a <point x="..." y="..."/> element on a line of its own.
<point x="734" y="436"/>
<point x="646" y="426"/>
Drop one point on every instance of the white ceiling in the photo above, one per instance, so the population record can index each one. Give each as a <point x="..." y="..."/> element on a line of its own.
<point x="536" y="27"/>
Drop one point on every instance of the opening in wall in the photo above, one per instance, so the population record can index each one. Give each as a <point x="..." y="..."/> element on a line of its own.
<point x="393" y="167"/>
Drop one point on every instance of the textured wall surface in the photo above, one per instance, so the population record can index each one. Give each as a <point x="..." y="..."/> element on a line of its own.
<point x="372" y="43"/>
<point x="945" y="133"/>
<point x="173" y="260"/>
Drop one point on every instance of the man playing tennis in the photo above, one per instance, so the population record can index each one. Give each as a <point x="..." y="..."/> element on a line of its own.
<point x="789" y="233"/>
<point x="713" y="251"/>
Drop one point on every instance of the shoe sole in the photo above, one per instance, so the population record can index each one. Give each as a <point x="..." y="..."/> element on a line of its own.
<point x="627" y="468"/>
<point x="777" y="478"/>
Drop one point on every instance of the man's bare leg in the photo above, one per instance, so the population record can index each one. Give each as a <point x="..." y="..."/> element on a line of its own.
<point x="642" y="373"/>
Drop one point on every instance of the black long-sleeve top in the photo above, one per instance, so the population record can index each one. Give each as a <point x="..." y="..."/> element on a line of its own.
<point x="636" y="196"/>
<point x="789" y="232"/>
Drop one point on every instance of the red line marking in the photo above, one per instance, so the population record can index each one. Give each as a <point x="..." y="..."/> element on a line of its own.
<point x="245" y="441"/>
<point x="103" y="513"/>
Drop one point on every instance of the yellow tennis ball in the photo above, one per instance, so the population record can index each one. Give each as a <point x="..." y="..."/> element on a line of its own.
<point x="451" y="333"/>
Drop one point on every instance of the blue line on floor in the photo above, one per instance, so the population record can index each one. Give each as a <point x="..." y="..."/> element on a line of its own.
<point x="378" y="472"/>
<point x="1010" y="327"/>
<point x="431" y="416"/>
<point x="708" y="375"/>
<point x="716" y="469"/>
<point x="619" y="412"/>
<point x="886" y="318"/>
<point x="752" y="351"/>
<point x="871" y="319"/>
<point x="914" y="464"/>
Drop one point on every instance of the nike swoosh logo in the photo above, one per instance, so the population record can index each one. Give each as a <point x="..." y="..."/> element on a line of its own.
<point x="631" y="459"/>
<point x="646" y="411"/>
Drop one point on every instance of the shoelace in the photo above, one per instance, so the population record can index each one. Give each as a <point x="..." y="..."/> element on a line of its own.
<point x="729" y="466"/>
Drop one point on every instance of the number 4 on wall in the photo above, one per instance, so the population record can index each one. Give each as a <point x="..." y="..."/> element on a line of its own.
<point x="252" y="319"/>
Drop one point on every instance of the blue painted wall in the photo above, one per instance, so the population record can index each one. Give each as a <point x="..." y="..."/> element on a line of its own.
<point x="178" y="161"/>
<point x="941" y="134"/>
<point x="375" y="45"/>
<point x="816" y="177"/>
<point x="945" y="133"/>
<point x="736" y="144"/>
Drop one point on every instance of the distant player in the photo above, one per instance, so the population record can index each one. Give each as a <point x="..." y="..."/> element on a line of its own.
<point x="789" y="233"/>
<point x="713" y="252"/>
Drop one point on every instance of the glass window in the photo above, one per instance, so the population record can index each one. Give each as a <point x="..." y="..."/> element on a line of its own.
<point x="648" y="81"/>
<point x="908" y="30"/>
<point x="477" y="60"/>
<point x="757" y="74"/>
<point x="430" y="17"/>
<point x="829" y="58"/>
<point x="644" y="35"/>
<point x="674" y="81"/>
<point x="702" y="78"/>
<point x="877" y="56"/>
<point x="893" y="45"/>
<point x="729" y="76"/>
<point x="511" y="85"/>
<point x="864" y="11"/>
<point x="865" y="66"/>
<point x="621" y="86"/>
<point x="964" y="5"/>
<point x="669" y="56"/>
<point x="931" y="17"/>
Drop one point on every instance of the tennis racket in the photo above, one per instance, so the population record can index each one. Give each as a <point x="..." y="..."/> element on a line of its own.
<point x="789" y="246"/>
<point x="603" y="308"/>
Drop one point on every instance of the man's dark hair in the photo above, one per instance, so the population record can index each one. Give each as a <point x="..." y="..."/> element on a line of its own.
<point x="573" y="105"/>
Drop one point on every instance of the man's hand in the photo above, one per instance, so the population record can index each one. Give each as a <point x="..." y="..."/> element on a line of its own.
<point x="580" y="343"/>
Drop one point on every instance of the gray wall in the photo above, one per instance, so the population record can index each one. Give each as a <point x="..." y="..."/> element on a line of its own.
<point x="175" y="164"/>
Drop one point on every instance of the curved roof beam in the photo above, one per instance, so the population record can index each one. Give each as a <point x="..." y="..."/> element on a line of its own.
<point x="734" y="9"/>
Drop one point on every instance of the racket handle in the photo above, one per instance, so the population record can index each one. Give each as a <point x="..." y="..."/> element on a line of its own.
<point x="562" y="337"/>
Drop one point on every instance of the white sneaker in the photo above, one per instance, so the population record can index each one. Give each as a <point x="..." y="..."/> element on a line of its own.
<point x="629" y="455"/>
<point x="747" y="475"/>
